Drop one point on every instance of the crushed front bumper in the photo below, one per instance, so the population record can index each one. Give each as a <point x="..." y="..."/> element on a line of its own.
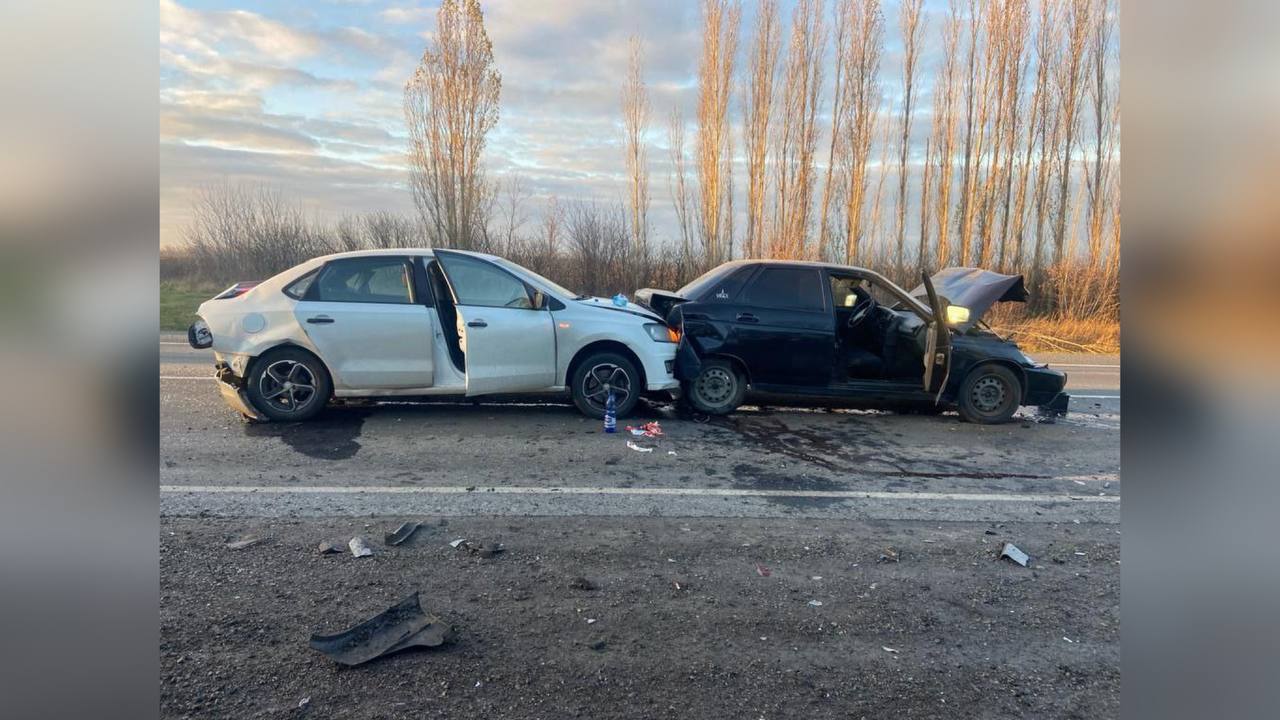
<point x="232" y="389"/>
<point x="1045" y="390"/>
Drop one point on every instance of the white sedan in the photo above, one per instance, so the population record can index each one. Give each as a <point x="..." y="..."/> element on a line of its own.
<point x="409" y="322"/>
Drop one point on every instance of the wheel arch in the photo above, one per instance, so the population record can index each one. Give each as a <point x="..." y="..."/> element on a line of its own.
<point x="604" y="346"/>
<point x="1017" y="370"/>
<point x="283" y="344"/>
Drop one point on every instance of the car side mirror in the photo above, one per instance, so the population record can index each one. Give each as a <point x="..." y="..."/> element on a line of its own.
<point x="539" y="300"/>
<point x="957" y="315"/>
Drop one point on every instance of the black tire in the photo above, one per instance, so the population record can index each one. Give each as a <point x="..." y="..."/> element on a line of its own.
<point x="990" y="395"/>
<point x="289" y="384"/>
<point x="600" y="371"/>
<point x="718" y="388"/>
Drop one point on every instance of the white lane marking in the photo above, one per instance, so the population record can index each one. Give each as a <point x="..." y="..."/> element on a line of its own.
<point x="713" y="492"/>
<point x="175" y="342"/>
<point x="187" y="377"/>
<point x="1093" y="397"/>
<point x="1082" y="365"/>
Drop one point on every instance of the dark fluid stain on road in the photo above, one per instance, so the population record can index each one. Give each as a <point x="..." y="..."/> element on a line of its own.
<point x="330" y="436"/>
<point x="752" y="477"/>
<point x="837" y="448"/>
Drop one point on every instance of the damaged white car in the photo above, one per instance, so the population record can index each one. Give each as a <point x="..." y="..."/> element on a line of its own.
<point x="408" y="322"/>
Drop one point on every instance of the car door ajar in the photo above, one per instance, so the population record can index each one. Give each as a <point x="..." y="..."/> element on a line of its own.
<point x="937" y="354"/>
<point x="508" y="344"/>
<point x="784" y="330"/>
<point x="371" y="330"/>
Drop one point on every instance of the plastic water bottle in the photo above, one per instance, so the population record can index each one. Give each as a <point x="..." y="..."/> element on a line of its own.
<point x="620" y="300"/>
<point x="610" y="413"/>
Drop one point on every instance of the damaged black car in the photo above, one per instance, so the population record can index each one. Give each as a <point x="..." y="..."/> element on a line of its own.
<point x="783" y="332"/>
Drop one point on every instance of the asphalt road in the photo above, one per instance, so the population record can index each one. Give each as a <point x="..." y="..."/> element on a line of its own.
<point x="781" y="562"/>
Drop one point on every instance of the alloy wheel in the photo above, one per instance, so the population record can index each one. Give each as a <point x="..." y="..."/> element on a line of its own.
<point x="289" y="386"/>
<point x="597" y="382"/>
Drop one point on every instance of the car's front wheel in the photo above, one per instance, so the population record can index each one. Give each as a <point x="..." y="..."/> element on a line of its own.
<point x="991" y="394"/>
<point x="289" y="384"/>
<point x="717" y="389"/>
<point x="598" y="375"/>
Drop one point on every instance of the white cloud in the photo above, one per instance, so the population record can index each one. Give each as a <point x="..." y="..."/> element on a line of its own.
<point x="406" y="15"/>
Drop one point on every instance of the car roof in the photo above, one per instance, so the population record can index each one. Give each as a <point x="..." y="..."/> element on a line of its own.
<point x="803" y="263"/>
<point x="425" y="252"/>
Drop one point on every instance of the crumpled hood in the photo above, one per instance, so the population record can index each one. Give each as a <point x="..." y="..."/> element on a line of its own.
<point x="631" y="308"/>
<point x="976" y="289"/>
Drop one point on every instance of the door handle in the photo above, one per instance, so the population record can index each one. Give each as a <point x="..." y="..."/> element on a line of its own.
<point x="747" y="317"/>
<point x="320" y="320"/>
<point x="477" y="323"/>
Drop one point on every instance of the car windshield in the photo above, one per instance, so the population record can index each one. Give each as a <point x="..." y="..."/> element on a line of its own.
<point x="555" y="288"/>
<point x="706" y="280"/>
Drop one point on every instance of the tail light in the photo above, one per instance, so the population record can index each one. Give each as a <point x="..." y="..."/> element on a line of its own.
<point x="237" y="290"/>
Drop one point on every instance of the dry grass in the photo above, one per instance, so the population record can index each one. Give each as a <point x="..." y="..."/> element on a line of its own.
<point x="1056" y="333"/>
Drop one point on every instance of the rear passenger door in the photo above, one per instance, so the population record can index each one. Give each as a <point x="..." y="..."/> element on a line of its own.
<point x="370" y="328"/>
<point x="784" y="328"/>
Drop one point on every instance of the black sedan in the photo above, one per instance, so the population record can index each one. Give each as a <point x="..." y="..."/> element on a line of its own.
<point x="846" y="334"/>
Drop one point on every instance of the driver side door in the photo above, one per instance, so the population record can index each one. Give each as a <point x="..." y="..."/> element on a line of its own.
<point x="508" y="343"/>
<point x="937" y="353"/>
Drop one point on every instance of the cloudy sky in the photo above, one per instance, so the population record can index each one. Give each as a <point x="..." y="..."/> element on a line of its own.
<point x="305" y="96"/>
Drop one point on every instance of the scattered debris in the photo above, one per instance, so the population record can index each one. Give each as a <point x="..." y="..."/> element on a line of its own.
<point x="649" y="430"/>
<point x="591" y="621"/>
<point x="400" y="626"/>
<point x="638" y="448"/>
<point x="304" y="702"/>
<point x="598" y="645"/>
<point x="676" y="583"/>
<point x="815" y="603"/>
<point x="484" y="550"/>
<point x="671" y="452"/>
<point x="988" y="532"/>
<point x="360" y="547"/>
<point x="815" y="577"/>
<point x="1081" y="554"/>
<point x="889" y="555"/>
<point x="1012" y="552"/>
<point x="402" y="533"/>
<point x="1064" y="637"/>
<point x="888" y="649"/>
<point x="328" y="547"/>
<point x="245" y="542"/>
<point x="581" y="583"/>
<point x="763" y="571"/>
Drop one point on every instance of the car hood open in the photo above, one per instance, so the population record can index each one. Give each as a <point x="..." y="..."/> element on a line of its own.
<point x="976" y="289"/>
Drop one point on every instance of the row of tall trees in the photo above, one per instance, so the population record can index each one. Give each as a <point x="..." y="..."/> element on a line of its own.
<point x="994" y="136"/>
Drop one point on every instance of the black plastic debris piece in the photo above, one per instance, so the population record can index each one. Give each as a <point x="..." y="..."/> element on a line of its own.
<point x="1012" y="552"/>
<point x="399" y="627"/>
<point x="402" y="533"/>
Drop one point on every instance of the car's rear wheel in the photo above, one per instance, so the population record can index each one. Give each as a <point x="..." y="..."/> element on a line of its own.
<point x="717" y="389"/>
<point x="991" y="394"/>
<point x="600" y="373"/>
<point x="289" y="384"/>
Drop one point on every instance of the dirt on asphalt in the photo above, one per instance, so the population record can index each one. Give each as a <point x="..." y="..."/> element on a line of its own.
<point x="684" y="623"/>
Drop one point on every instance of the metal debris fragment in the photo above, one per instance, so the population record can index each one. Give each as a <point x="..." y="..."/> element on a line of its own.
<point x="400" y="626"/>
<point x="360" y="547"/>
<point x="1012" y="552"/>
<point x="402" y="533"/>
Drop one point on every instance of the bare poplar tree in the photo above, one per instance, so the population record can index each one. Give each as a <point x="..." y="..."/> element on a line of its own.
<point x="976" y="89"/>
<point x="798" y="133"/>
<point x="910" y="23"/>
<point x="720" y="20"/>
<point x="1047" y="129"/>
<point x="923" y="259"/>
<point x="1105" y="120"/>
<point x="1019" y="28"/>
<point x="944" y="132"/>
<point x="1070" y="83"/>
<point x="678" y="182"/>
<point x="756" y="117"/>
<point x="635" y="121"/>
<point x="1037" y="136"/>
<point x="861" y="59"/>
<point x="842" y="20"/>
<point x="450" y="104"/>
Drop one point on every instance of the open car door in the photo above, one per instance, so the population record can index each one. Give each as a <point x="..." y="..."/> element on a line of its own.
<point x="937" y="347"/>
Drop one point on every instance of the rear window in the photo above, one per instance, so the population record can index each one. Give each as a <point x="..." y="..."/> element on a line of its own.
<point x="367" y="280"/>
<point x="786" y="288"/>
<point x="711" y="278"/>
<point x="298" y="288"/>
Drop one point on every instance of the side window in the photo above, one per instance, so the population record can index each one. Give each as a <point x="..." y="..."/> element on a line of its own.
<point x="364" y="280"/>
<point x="727" y="289"/>
<point x="476" y="282"/>
<point x="786" y="288"/>
<point x="298" y="288"/>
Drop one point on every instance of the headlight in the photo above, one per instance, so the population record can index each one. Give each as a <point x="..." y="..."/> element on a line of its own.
<point x="662" y="333"/>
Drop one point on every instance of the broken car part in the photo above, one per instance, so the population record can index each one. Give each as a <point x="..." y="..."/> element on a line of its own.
<point x="400" y="626"/>
<point x="1012" y="552"/>
<point x="402" y="533"/>
<point x="360" y="547"/>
